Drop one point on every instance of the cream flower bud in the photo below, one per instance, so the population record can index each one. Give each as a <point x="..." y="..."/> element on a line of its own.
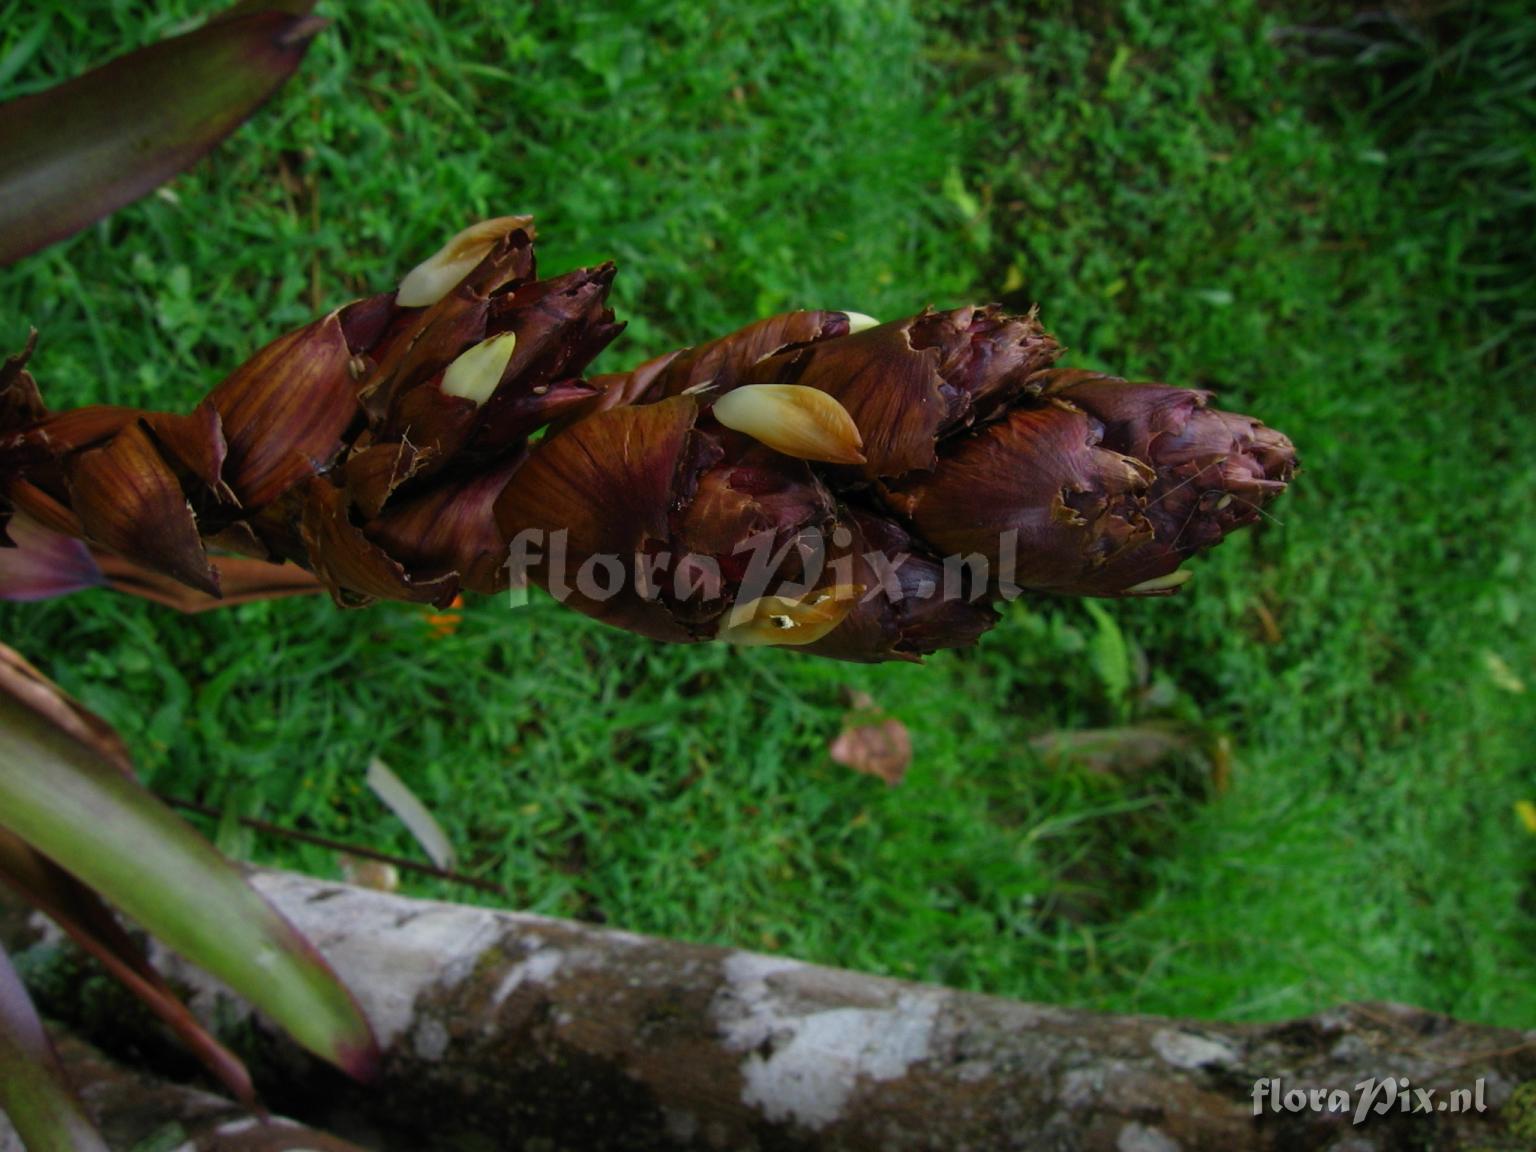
<point x="793" y="419"/>
<point x="477" y="372"/>
<point x="783" y="620"/>
<point x="434" y="277"/>
<point x="1161" y="584"/>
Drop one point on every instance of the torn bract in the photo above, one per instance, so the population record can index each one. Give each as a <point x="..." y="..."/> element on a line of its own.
<point x="860" y="490"/>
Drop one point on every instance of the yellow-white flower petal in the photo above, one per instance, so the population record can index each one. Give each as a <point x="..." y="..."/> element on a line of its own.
<point x="806" y="423"/>
<point x="434" y="277"/>
<point x="781" y="620"/>
<point x="477" y="372"/>
<point x="1160" y="584"/>
<point x="858" y="322"/>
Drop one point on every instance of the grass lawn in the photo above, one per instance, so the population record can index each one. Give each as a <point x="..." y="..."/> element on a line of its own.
<point x="1192" y="192"/>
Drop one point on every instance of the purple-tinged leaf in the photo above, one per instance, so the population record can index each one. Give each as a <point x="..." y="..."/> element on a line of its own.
<point x="44" y="564"/>
<point x="90" y="923"/>
<point x="62" y="797"/>
<point x="76" y="152"/>
<point x="34" y="1095"/>
<point x="19" y="679"/>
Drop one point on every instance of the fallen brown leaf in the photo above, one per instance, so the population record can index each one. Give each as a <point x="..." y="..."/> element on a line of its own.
<point x="875" y="747"/>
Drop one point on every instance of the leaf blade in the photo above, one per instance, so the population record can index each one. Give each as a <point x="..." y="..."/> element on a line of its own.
<point x="80" y="912"/>
<point x="34" y="1094"/>
<point x="68" y="803"/>
<point x="79" y="151"/>
<point x="44" y="564"/>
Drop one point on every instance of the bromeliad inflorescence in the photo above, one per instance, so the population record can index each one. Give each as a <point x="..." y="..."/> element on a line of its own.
<point x="864" y="491"/>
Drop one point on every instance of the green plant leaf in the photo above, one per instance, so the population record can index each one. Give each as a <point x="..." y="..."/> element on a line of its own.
<point x="34" y="1095"/>
<point x="1111" y="656"/>
<point x="78" y="151"/>
<point x="90" y="923"/>
<point x="62" y="797"/>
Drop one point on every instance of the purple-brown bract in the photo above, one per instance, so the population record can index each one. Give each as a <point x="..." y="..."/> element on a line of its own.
<point x="867" y="492"/>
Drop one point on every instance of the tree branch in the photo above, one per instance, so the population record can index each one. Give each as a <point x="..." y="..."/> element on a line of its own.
<point x="516" y="1029"/>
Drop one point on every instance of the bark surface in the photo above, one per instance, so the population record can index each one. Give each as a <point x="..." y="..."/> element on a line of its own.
<point x="504" y="1030"/>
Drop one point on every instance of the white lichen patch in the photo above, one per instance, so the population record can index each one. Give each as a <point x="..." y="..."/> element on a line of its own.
<point x="430" y="1039"/>
<point x="1354" y="1144"/>
<point x="1187" y="1050"/>
<point x="803" y="1061"/>
<point x="540" y="968"/>
<point x="1081" y="1086"/>
<point x="1140" y="1138"/>
<point x="628" y="939"/>
<point x="387" y="960"/>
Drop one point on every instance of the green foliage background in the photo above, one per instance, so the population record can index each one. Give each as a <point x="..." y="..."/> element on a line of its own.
<point x="1332" y="228"/>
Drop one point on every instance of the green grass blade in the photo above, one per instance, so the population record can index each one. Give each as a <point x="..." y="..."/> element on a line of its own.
<point x="74" y="153"/>
<point x="34" y="1096"/>
<point x="103" y="827"/>
<point x="415" y="815"/>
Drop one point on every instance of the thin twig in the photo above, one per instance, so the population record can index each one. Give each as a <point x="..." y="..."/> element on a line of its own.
<point x="339" y="846"/>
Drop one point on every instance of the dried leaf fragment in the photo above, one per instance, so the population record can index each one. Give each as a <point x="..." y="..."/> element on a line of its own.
<point x="876" y="747"/>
